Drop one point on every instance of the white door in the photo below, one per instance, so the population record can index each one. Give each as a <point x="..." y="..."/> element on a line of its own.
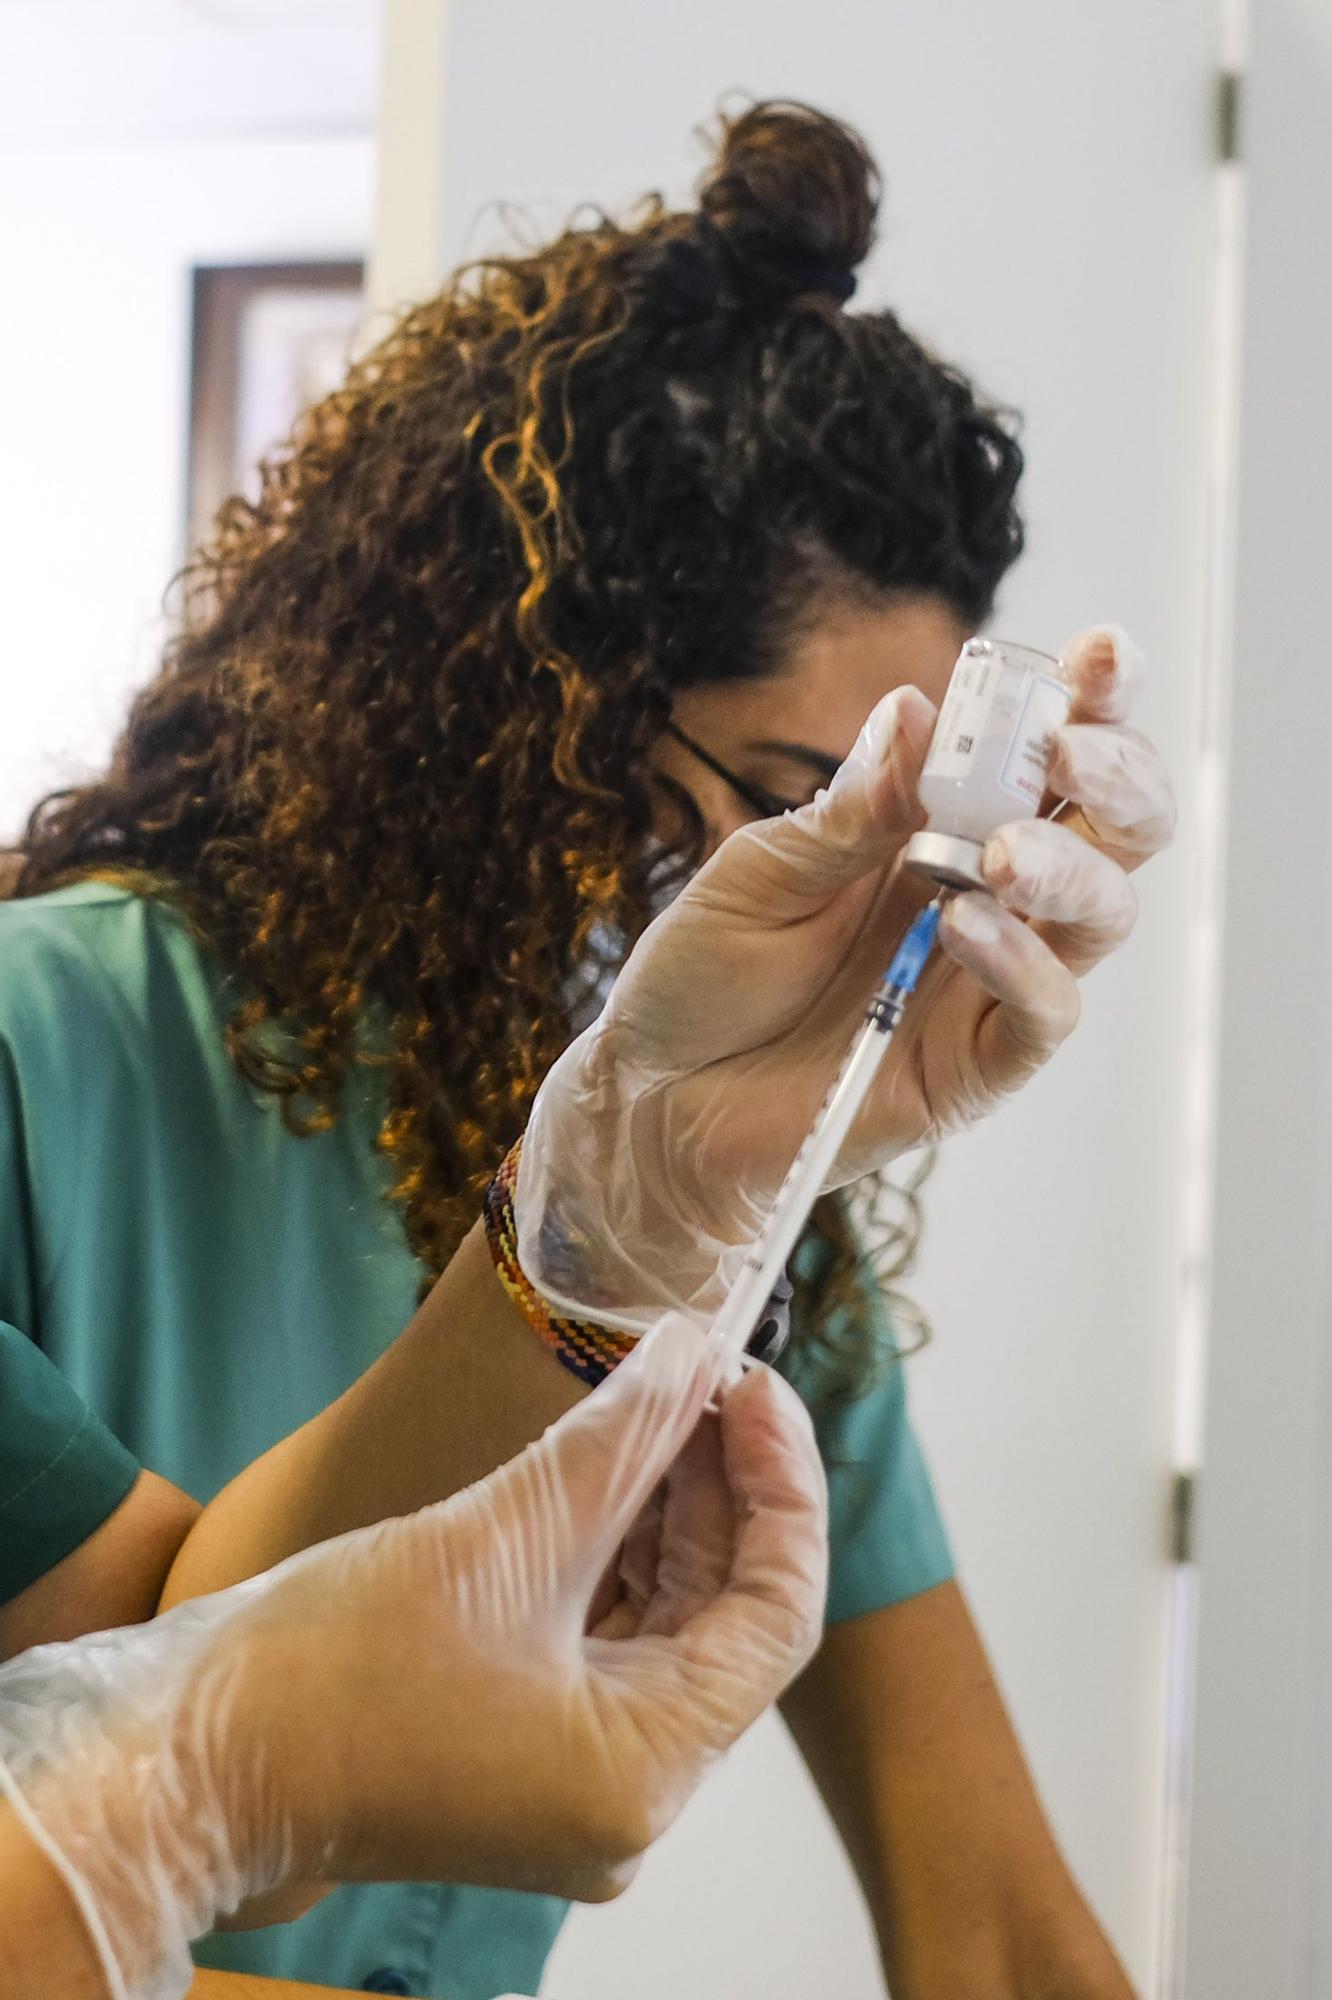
<point x="1048" y="224"/>
<point x="1259" y="1906"/>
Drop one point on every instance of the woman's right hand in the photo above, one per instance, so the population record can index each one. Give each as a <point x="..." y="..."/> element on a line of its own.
<point x="661" y="1136"/>
<point x="428" y="1698"/>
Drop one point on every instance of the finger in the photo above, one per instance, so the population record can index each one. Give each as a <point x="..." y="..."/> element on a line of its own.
<point x="617" y="1621"/>
<point x="1105" y="670"/>
<point x="748" y="1644"/>
<point x="783" y="869"/>
<point x="637" y="1567"/>
<point x="1082" y="899"/>
<point x="1037" y="994"/>
<point x="697" y="1533"/>
<point x="1118" y="783"/>
<point x="569" y="1500"/>
<point x="626" y="1582"/>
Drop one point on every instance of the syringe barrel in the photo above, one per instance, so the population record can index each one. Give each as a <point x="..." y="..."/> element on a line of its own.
<point x="799" y="1191"/>
<point x="811" y="1166"/>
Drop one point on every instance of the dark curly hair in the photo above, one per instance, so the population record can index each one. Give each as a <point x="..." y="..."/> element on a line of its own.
<point x="395" y="767"/>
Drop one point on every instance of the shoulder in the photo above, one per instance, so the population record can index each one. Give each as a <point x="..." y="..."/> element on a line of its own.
<point x="85" y="961"/>
<point x="77" y="922"/>
<point x="89" y="920"/>
<point x="855" y="1422"/>
<point x="63" y="917"/>
<point x="887" y="1540"/>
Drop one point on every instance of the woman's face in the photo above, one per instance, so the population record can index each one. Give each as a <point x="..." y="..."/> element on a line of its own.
<point x="784" y="736"/>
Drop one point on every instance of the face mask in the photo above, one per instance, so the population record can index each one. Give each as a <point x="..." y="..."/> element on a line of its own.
<point x="586" y="996"/>
<point x="587" y="992"/>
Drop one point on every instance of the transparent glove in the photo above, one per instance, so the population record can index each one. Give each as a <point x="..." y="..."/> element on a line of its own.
<point x="424" y="1699"/>
<point x="658" y="1140"/>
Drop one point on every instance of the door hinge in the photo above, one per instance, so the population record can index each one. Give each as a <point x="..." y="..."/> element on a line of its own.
<point x="1184" y="1517"/>
<point x="1228" y="86"/>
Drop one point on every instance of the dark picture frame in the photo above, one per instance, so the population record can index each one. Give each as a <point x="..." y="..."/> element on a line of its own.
<point x="266" y="340"/>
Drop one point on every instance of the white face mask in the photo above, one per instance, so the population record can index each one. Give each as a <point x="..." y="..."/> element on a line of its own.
<point x="585" y="999"/>
<point x="607" y="952"/>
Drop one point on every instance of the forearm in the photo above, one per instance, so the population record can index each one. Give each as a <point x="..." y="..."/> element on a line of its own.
<point x="46" y="1950"/>
<point x="973" y="1899"/>
<point x="463" y="1389"/>
<point x="907" y="1736"/>
<point x="1018" y="1929"/>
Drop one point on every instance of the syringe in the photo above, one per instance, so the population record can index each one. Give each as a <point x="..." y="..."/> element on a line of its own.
<point x="744" y="1303"/>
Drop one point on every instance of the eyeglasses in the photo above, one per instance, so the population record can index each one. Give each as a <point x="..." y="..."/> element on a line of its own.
<point x="766" y="804"/>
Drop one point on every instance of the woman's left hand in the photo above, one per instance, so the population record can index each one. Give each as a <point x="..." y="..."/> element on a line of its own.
<point x="662" y="1134"/>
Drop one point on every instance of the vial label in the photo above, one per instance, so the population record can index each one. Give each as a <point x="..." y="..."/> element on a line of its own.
<point x="1045" y="708"/>
<point x="981" y="705"/>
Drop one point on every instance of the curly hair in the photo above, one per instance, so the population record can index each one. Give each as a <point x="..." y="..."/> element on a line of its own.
<point x="395" y="766"/>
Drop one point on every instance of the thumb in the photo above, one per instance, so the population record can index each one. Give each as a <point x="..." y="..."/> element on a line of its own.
<point x="779" y="870"/>
<point x="747" y="1645"/>
<point x="580" y="1488"/>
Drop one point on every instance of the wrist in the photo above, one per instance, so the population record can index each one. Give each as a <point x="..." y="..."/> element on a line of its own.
<point x="603" y="1230"/>
<point x="611" y="1226"/>
<point x="584" y="1346"/>
<point x="114" y="1749"/>
<point x="98" y="1784"/>
<point x="45" y="1945"/>
<point x="1020" y="1961"/>
<point x="1077" y="1964"/>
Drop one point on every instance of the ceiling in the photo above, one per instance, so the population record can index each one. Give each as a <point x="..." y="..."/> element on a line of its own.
<point x="120" y="71"/>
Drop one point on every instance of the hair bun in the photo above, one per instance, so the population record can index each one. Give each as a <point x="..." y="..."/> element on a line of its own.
<point x="793" y="197"/>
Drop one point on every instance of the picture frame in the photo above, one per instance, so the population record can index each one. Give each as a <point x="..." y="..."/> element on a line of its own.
<point x="266" y="341"/>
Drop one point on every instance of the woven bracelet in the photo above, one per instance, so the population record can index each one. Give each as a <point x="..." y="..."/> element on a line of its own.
<point x="590" y="1351"/>
<point x="587" y="1350"/>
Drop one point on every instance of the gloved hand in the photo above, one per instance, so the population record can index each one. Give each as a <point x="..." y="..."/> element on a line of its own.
<point x="423" y="1699"/>
<point x="659" y="1139"/>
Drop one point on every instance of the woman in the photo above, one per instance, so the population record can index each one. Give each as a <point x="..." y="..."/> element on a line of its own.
<point x="601" y="553"/>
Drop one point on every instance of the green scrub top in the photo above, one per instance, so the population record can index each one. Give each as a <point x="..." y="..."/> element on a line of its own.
<point x="206" y="1282"/>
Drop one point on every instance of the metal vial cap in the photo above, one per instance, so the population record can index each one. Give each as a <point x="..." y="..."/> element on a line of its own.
<point x="947" y="859"/>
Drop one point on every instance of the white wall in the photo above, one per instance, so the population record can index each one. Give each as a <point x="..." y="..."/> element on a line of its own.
<point x="1048" y="225"/>
<point x="85" y="72"/>
<point x="96" y="246"/>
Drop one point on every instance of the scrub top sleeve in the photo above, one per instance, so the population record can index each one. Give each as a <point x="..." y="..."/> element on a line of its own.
<point x="19" y="1284"/>
<point x="887" y="1538"/>
<point x="61" y="1471"/>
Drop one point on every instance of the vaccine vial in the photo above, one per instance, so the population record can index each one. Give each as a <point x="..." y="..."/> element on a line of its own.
<point x="987" y="758"/>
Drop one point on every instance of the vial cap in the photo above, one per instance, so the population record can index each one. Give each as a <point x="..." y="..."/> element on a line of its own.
<point x="947" y="859"/>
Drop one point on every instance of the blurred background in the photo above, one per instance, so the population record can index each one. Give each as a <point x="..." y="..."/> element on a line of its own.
<point x="1115" y="217"/>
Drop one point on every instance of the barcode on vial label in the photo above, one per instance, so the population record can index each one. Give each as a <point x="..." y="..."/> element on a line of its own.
<point x="975" y="694"/>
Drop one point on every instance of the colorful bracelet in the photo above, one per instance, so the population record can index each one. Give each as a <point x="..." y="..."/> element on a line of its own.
<point x="590" y="1351"/>
<point x="587" y="1350"/>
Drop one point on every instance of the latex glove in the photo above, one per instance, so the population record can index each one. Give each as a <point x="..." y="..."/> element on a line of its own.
<point x="658" y="1140"/>
<point x="422" y="1699"/>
